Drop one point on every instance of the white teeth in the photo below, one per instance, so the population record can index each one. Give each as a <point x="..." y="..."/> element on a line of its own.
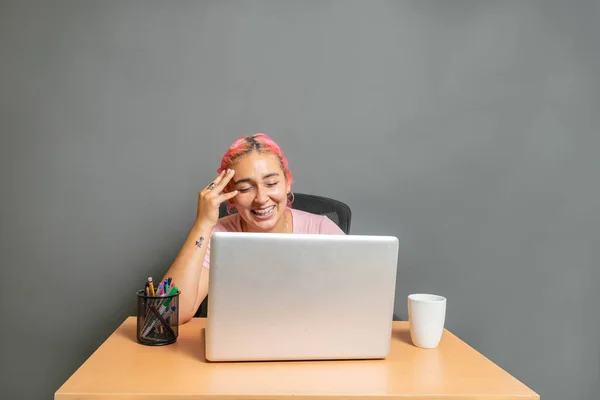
<point x="264" y="212"/>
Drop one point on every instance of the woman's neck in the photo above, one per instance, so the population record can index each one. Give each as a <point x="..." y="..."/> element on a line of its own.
<point x="284" y="225"/>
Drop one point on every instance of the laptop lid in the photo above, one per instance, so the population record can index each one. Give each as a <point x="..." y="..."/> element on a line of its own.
<point x="300" y="296"/>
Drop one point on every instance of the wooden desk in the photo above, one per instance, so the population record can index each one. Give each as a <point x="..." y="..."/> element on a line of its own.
<point x="123" y="369"/>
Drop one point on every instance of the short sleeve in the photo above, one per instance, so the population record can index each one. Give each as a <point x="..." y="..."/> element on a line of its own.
<point x="328" y="227"/>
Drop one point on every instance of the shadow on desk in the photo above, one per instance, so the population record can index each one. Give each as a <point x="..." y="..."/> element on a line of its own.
<point x="403" y="336"/>
<point x="192" y="346"/>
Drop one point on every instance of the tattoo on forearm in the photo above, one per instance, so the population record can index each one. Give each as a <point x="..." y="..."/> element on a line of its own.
<point x="199" y="242"/>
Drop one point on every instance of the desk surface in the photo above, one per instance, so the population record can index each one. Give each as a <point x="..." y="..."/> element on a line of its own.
<point x="123" y="369"/>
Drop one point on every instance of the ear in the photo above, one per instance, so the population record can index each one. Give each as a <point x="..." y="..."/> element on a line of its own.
<point x="288" y="188"/>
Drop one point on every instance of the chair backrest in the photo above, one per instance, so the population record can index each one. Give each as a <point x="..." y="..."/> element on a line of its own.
<point x="335" y="210"/>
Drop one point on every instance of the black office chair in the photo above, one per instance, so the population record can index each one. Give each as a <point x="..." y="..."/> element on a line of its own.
<point x="335" y="210"/>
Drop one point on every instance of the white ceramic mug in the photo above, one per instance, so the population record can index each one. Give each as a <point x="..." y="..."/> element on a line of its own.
<point x="426" y="316"/>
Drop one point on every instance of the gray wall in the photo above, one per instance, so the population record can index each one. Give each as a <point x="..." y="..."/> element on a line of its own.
<point x="468" y="129"/>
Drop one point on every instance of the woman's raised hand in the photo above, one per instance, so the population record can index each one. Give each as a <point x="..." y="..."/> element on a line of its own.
<point x="211" y="197"/>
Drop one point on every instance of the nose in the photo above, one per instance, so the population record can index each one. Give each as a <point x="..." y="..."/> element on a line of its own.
<point x="261" y="196"/>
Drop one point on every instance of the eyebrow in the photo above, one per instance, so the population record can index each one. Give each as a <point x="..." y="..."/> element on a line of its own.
<point x="245" y="180"/>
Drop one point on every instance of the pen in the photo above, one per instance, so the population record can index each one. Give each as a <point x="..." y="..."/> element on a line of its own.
<point x="162" y="319"/>
<point x="166" y="314"/>
<point x="159" y="292"/>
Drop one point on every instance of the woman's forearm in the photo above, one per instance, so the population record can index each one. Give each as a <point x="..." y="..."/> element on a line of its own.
<point x="186" y="270"/>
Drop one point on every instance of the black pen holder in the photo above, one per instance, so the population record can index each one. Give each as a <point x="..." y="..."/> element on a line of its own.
<point x="157" y="319"/>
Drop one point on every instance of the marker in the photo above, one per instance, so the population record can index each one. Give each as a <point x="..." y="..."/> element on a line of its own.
<point x="172" y="292"/>
<point x="166" y="285"/>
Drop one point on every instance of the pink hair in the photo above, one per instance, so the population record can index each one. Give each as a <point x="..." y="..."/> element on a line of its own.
<point x="258" y="142"/>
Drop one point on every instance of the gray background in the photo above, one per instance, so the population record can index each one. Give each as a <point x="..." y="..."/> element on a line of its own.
<point x="468" y="129"/>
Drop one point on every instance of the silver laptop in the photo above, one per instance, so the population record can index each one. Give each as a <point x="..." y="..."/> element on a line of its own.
<point x="300" y="296"/>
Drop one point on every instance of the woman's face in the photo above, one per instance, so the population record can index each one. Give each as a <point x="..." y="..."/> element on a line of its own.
<point x="262" y="192"/>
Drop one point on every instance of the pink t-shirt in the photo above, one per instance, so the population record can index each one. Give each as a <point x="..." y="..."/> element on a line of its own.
<point x="302" y="222"/>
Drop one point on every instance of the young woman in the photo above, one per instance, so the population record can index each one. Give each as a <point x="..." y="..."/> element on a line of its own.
<point x="254" y="179"/>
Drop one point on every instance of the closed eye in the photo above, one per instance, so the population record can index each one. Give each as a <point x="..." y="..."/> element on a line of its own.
<point x="247" y="189"/>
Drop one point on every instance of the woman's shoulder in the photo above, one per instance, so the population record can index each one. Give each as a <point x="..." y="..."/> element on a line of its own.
<point x="307" y="222"/>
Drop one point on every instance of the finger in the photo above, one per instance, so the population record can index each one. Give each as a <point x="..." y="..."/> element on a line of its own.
<point x="219" y="177"/>
<point x="224" y="181"/>
<point x="227" y="196"/>
<point x="215" y="181"/>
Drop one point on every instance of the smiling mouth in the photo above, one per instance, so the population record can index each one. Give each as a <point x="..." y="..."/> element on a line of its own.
<point x="263" y="212"/>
